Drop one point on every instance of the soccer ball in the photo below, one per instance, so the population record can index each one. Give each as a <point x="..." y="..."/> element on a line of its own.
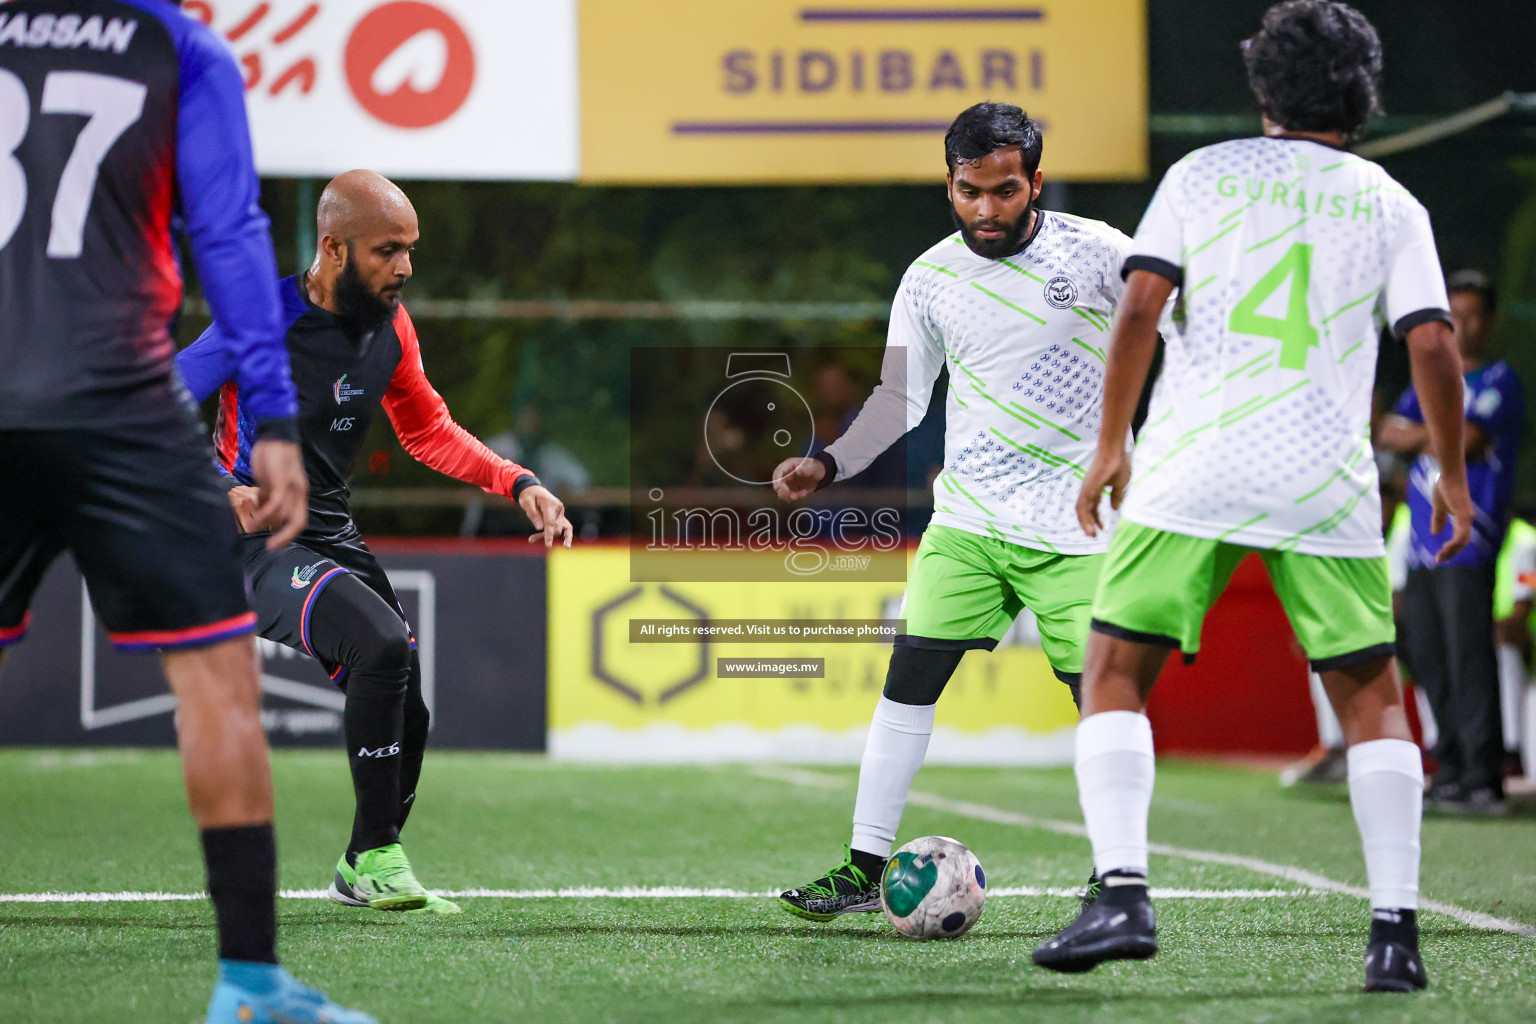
<point x="933" y="888"/>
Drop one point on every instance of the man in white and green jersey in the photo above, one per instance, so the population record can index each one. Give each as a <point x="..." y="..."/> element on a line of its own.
<point x="1287" y="253"/>
<point x="1016" y="305"/>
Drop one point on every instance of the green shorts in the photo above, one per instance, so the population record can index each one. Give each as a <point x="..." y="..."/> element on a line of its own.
<point x="1157" y="586"/>
<point x="965" y="590"/>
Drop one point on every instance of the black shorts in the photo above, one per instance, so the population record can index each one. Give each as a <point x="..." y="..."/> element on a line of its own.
<point x="143" y="514"/>
<point x="285" y="584"/>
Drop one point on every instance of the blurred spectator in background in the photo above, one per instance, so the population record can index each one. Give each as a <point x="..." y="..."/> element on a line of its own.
<point x="911" y="463"/>
<point x="527" y="440"/>
<point x="724" y="440"/>
<point x="834" y="401"/>
<point x="1447" y="638"/>
<point x="834" y="405"/>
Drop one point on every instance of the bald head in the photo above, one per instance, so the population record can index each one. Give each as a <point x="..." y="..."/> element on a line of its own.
<point x="362" y="202"/>
<point x="367" y="228"/>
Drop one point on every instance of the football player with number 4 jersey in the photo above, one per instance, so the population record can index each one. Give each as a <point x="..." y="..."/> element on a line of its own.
<point x="1287" y="252"/>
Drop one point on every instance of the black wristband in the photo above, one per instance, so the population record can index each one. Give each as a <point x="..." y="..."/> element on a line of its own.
<point x="1160" y="267"/>
<point x="522" y="483"/>
<point x="825" y="458"/>
<point x="1418" y="318"/>
<point x="279" y="428"/>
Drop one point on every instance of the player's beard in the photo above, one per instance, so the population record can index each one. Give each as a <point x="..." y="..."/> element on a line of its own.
<point x="360" y="308"/>
<point x="996" y="248"/>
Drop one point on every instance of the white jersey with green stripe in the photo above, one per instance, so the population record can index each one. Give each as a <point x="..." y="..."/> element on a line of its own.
<point x="1289" y="256"/>
<point x="1023" y="339"/>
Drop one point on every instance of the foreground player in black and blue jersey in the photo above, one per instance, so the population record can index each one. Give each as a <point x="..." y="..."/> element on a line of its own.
<point x="354" y="351"/>
<point x="112" y="114"/>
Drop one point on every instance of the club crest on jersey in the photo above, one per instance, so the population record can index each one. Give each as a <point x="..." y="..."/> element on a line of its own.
<point x="304" y="575"/>
<point x="1060" y="292"/>
<point x="341" y="392"/>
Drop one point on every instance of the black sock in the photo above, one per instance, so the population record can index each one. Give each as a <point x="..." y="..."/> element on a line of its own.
<point x="869" y="863"/>
<point x="351" y="625"/>
<point x="242" y="882"/>
<point x="372" y="725"/>
<point x="1121" y="887"/>
<point x="406" y="803"/>
<point x="1400" y="926"/>
<point x="414" y="746"/>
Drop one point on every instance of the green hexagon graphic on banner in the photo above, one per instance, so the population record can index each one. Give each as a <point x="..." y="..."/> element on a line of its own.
<point x="908" y="878"/>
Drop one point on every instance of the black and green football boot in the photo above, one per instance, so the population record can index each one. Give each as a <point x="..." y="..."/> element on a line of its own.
<point x="1089" y="896"/>
<point x="846" y="889"/>
<point x="381" y="879"/>
<point x="344" y="890"/>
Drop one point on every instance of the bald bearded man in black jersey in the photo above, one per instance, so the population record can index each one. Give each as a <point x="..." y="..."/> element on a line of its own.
<point x="353" y="348"/>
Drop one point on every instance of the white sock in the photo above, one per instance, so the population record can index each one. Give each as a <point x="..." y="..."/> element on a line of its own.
<point x="1386" y="790"/>
<point x="898" y="740"/>
<point x="1115" y="771"/>
<point x="1528" y="716"/>
<point x="1429" y="730"/>
<point x="1511" y="692"/>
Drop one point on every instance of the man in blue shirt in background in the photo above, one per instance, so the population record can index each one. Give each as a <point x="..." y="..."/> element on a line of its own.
<point x="1447" y="638"/>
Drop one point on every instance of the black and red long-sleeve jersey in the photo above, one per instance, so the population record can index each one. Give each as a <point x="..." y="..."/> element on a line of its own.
<point x="342" y="379"/>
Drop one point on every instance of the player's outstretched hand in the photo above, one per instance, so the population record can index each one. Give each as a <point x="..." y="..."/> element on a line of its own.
<point x="1456" y="504"/>
<point x="283" y="489"/>
<point x="1109" y="469"/>
<point x="796" y="477"/>
<point x="547" y="513"/>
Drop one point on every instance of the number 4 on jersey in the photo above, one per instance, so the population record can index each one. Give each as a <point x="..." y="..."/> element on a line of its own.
<point x="1295" y="333"/>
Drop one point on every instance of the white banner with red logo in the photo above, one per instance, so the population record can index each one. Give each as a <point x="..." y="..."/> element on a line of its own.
<point x="409" y="88"/>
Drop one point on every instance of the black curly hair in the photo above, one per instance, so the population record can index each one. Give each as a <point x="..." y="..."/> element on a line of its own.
<point x="1315" y="66"/>
<point x="988" y="127"/>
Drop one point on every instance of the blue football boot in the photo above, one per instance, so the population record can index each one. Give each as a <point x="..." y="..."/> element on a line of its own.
<point x="256" y="993"/>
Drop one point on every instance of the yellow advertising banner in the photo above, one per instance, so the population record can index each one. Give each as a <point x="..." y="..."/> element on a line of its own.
<point x="614" y="699"/>
<point x="765" y="91"/>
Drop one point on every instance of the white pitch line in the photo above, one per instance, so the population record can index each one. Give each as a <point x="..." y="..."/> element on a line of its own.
<point x="574" y="892"/>
<point x="1167" y="894"/>
<point x="1299" y="876"/>
<point x="627" y="892"/>
<point x="662" y="892"/>
<point x="100" y="897"/>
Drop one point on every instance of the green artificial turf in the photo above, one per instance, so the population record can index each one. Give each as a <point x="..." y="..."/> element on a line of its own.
<point x="109" y="821"/>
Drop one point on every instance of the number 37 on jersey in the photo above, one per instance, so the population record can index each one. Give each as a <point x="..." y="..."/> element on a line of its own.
<point x="111" y="104"/>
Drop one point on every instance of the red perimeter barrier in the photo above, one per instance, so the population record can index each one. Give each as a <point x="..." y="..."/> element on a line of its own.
<point x="1247" y="692"/>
